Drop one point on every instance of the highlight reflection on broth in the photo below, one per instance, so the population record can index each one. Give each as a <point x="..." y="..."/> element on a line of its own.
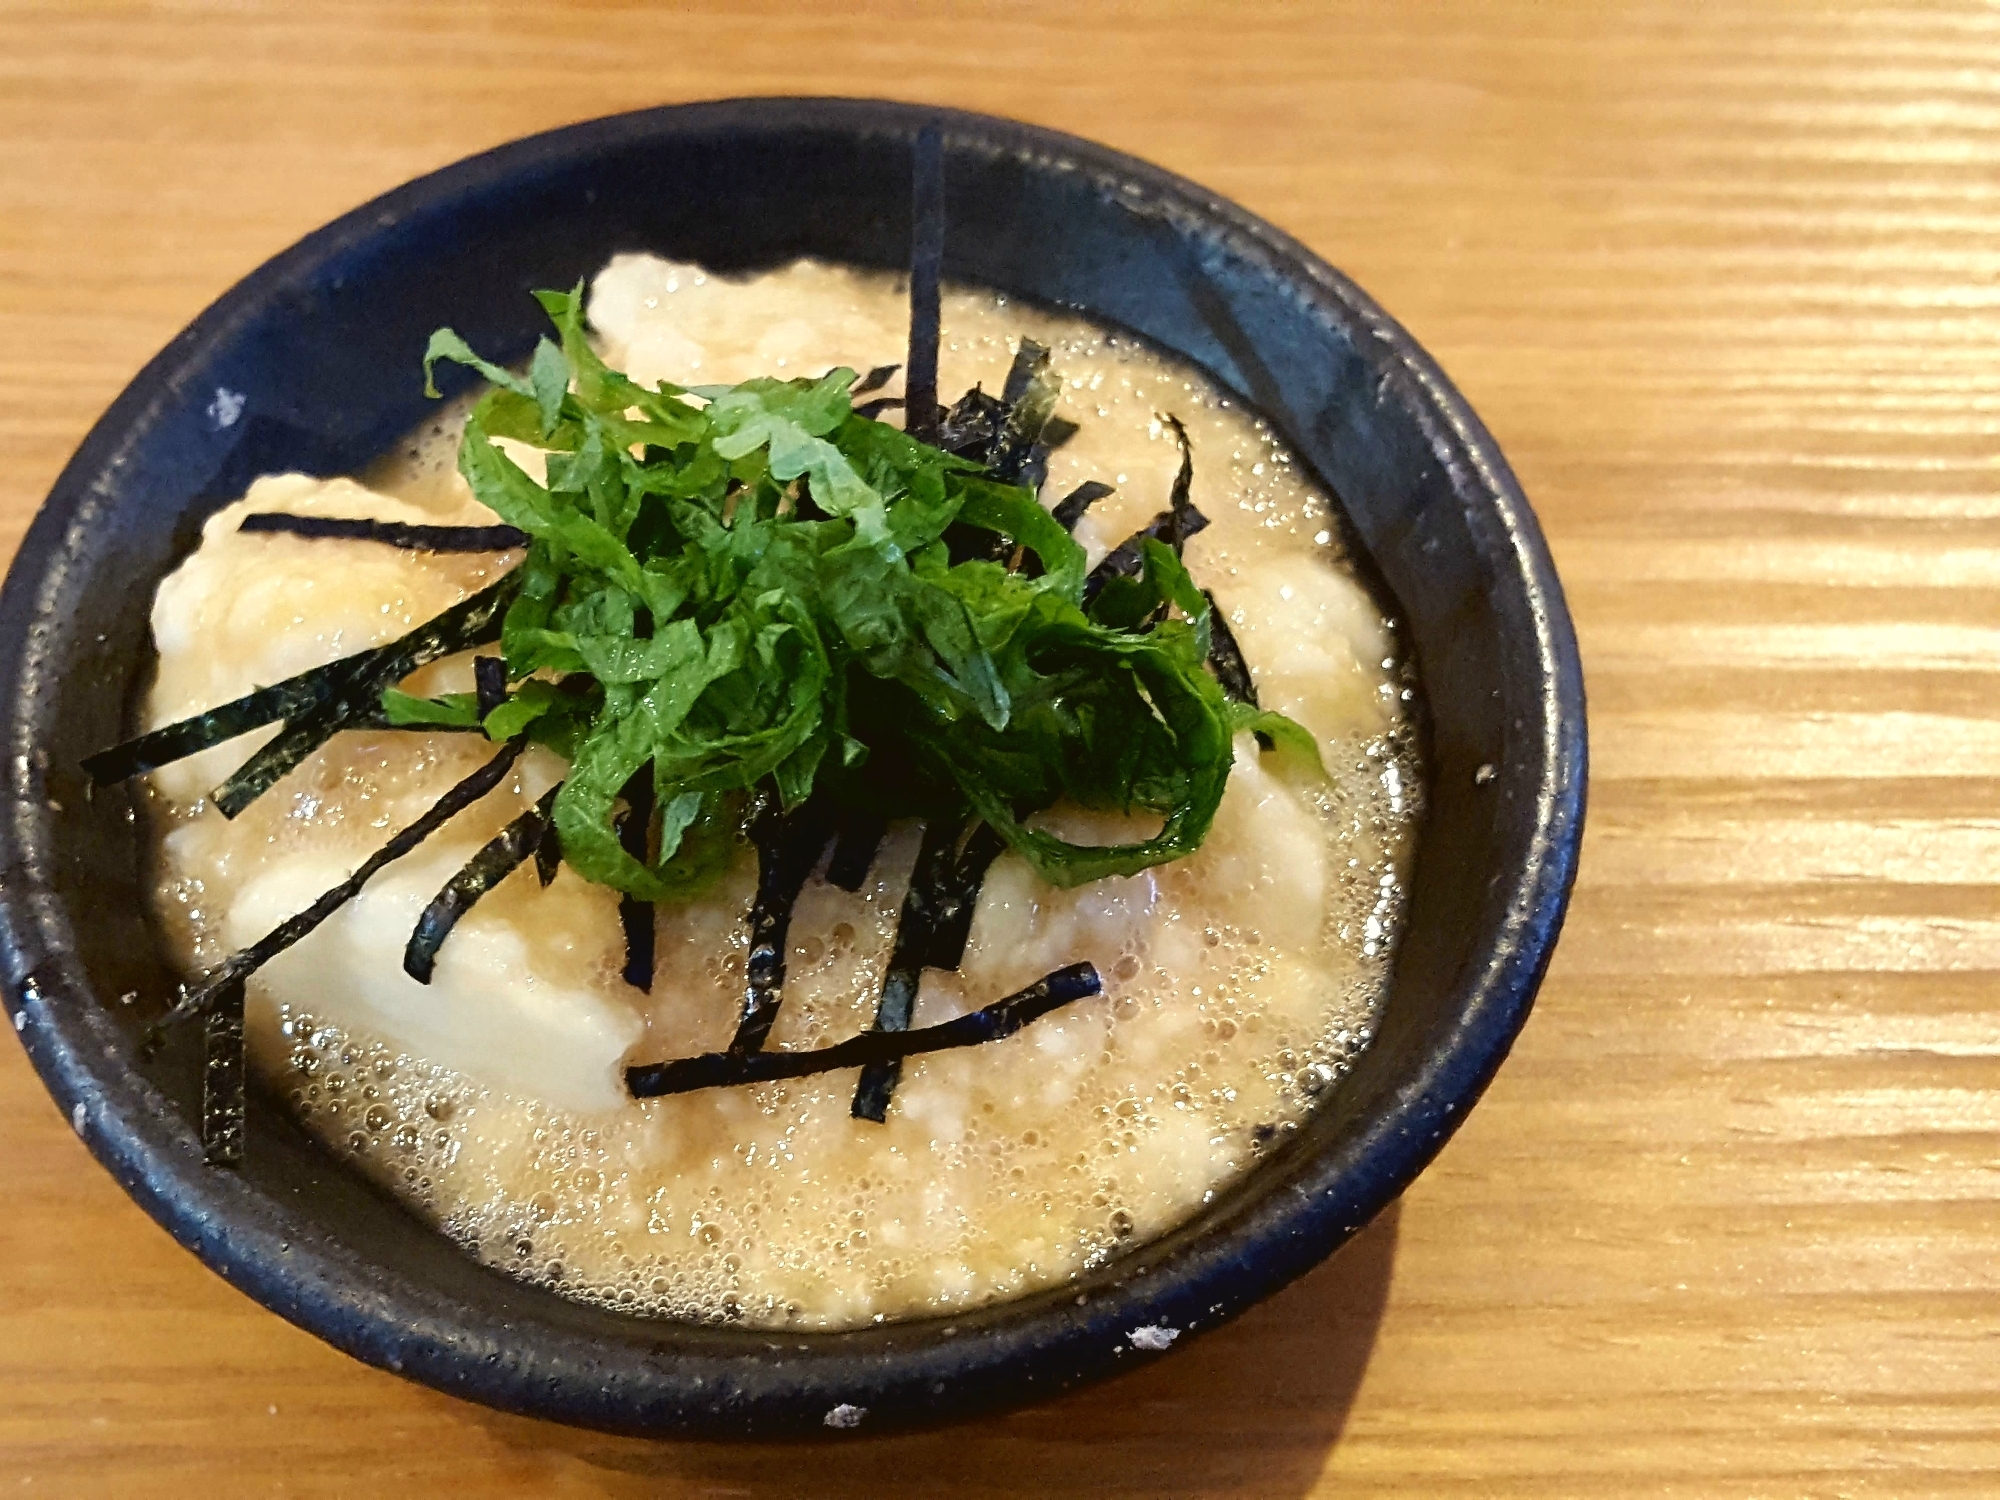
<point x="1238" y="982"/>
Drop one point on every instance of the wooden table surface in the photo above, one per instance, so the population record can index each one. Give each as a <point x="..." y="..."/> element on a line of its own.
<point x="1722" y="279"/>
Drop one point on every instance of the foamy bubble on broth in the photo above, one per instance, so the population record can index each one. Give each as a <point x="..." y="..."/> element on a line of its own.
<point x="1228" y="1006"/>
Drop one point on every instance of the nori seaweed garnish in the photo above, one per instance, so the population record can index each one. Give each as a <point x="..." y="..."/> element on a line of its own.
<point x="926" y="271"/>
<point x="1057" y="431"/>
<point x="1003" y="434"/>
<point x="874" y="380"/>
<point x="870" y="1049"/>
<point x="1225" y="660"/>
<point x="872" y="410"/>
<point x="303" y="695"/>
<point x="1028" y="400"/>
<point x="856" y="839"/>
<point x="958" y="896"/>
<point x="222" y="1096"/>
<point x="159" y="747"/>
<point x="355" y="696"/>
<point x="489" y="680"/>
<point x="497" y="859"/>
<point x="548" y="854"/>
<point x="200" y="998"/>
<point x="969" y="428"/>
<point x="1069" y="510"/>
<point x="1174" y="525"/>
<point x="931" y="930"/>
<point x="389" y="533"/>
<point x="1186" y="520"/>
<point x="1225" y="657"/>
<point x="788" y="846"/>
<point x="635" y="833"/>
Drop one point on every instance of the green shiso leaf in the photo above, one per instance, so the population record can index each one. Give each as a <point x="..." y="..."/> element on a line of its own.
<point x="451" y="710"/>
<point x="445" y="344"/>
<point x="1287" y="736"/>
<point x="753" y="574"/>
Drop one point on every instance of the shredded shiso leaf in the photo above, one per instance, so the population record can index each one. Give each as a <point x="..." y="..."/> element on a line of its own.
<point x="1069" y="510"/>
<point x="788" y="846"/>
<point x="499" y="857"/>
<point x="926" y="274"/>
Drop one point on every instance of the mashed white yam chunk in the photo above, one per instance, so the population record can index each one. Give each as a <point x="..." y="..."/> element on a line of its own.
<point x="1237" y="981"/>
<point x="489" y="1011"/>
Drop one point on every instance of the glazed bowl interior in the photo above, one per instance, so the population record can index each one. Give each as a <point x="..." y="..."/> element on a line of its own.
<point x="312" y="364"/>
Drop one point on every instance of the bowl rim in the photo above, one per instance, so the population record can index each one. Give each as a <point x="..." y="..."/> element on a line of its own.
<point x="678" y="1392"/>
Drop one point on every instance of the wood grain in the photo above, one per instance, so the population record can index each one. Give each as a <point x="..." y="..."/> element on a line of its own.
<point x="1724" y="278"/>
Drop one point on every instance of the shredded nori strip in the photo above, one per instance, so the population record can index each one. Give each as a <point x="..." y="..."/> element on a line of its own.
<point x="788" y="846"/>
<point x="635" y="832"/>
<point x="389" y="533"/>
<point x="1069" y="510"/>
<point x="160" y="747"/>
<point x="1225" y="657"/>
<point x="969" y="428"/>
<point x="1003" y="434"/>
<point x="915" y="925"/>
<point x="489" y="679"/>
<point x="1174" y="525"/>
<point x="355" y="696"/>
<point x="1010" y="435"/>
<point x="496" y="860"/>
<point x="855" y="842"/>
<point x="199" y="999"/>
<point x="931" y="931"/>
<point x="222" y="1096"/>
<point x="1028" y="400"/>
<point x="280" y="754"/>
<point x="1031" y="360"/>
<point x="870" y="1049"/>
<point x="548" y="854"/>
<point x="1225" y="660"/>
<point x="874" y="380"/>
<point x="874" y="409"/>
<point x="1057" y="431"/>
<point x="926" y="270"/>
<point x="1185" y="519"/>
<point x="958" y="896"/>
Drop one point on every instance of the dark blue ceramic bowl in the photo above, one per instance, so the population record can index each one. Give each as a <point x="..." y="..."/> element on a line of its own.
<point x="311" y="363"/>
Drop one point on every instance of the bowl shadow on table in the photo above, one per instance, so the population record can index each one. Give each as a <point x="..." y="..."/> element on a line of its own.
<point x="1253" y="1409"/>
